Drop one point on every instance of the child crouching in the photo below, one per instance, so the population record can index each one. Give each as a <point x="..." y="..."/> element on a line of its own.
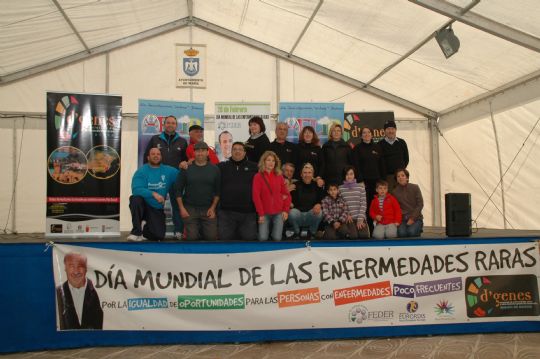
<point x="335" y="214"/>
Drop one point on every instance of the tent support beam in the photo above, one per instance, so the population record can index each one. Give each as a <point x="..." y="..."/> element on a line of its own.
<point x="73" y="28"/>
<point x="482" y="23"/>
<point x="501" y="177"/>
<point x="306" y="27"/>
<point x="515" y="93"/>
<point x="314" y="67"/>
<point x="420" y="44"/>
<point x="19" y="75"/>
<point x="435" y="173"/>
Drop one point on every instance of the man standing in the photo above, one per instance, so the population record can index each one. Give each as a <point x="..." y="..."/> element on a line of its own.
<point x="196" y="135"/>
<point x="78" y="302"/>
<point x="395" y="152"/>
<point x="173" y="152"/>
<point x="150" y="185"/>
<point x="198" y="189"/>
<point x="237" y="212"/>
<point x="285" y="150"/>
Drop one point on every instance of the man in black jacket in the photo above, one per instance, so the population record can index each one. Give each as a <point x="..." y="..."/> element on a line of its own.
<point x="395" y="152"/>
<point x="78" y="302"/>
<point x="173" y="151"/>
<point x="285" y="150"/>
<point x="236" y="216"/>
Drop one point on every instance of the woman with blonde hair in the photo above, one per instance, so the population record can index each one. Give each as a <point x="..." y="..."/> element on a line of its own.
<point x="336" y="155"/>
<point x="271" y="197"/>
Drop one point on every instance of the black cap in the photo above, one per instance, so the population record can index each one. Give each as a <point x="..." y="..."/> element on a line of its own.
<point x="390" y="123"/>
<point x="195" y="127"/>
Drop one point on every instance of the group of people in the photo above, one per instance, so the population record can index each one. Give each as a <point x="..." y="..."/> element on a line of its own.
<point x="270" y="190"/>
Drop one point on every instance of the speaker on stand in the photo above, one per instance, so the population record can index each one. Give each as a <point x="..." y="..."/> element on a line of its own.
<point x="458" y="214"/>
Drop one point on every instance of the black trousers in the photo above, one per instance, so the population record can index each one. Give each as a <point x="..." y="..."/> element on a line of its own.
<point x="154" y="229"/>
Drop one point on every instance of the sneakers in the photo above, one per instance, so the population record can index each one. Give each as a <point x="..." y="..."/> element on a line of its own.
<point x="178" y="236"/>
<point x="136" y="238"/>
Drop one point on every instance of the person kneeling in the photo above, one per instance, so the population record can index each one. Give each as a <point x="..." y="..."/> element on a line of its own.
<point x="150" y="185"/>
<point x="385" y="212"/>
<point x="336" y="214"/>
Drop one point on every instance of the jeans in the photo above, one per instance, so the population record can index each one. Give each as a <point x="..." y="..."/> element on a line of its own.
<point x="413" y="230"/>
<point x="308" y="219"/>
<point x="276" y="221"/>
<point x="177" y="220"/>
<point x="236" y="225"/>
<point x="382" y="231"/>
<point x="199" y="226"/>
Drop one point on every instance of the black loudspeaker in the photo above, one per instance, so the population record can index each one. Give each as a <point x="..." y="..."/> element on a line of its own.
<point x="458" y="214"/>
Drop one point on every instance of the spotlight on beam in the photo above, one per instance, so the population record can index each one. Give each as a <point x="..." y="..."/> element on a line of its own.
<point x="447" y="41"/>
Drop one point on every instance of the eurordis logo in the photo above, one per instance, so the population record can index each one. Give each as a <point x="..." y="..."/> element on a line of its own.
<point x="412" y="314"/>
<point x="362" y="293"/>
<point x="299" y="297"/>
<point x="502" y="296"/>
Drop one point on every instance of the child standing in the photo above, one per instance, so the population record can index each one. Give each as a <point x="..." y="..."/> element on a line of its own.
<point x="385" y="211"/>
<point x="335" y="214"/>
<point x="354" y="195"/>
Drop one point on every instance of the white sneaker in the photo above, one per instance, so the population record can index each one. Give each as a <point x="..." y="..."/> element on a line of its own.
<point x="134" y="238"/>
<point x="178" y="236"/>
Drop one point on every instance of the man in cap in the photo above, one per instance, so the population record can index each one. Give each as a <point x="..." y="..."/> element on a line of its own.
<point x="395" y="152"/>
<point x="198" y="190"/>
<point x="173" y="152"/>
<point x="196" y="135"/>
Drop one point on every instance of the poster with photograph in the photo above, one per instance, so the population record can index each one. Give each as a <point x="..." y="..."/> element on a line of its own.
<point x="83" y="164"/>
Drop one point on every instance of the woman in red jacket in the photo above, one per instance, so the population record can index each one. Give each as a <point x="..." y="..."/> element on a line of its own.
<point x="271" y="197"/>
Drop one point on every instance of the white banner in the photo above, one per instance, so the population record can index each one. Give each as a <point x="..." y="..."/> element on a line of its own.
<point x="322" y="287"/>
<point x="232" y="123"/>
<point x="190" y="65"/>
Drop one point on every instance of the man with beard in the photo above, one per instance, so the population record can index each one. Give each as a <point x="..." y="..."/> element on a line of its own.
<point x="173" y="151"/>
<point x="150" y="185"/>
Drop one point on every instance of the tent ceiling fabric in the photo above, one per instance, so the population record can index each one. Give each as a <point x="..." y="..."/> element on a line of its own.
<point x="356" y="38"/>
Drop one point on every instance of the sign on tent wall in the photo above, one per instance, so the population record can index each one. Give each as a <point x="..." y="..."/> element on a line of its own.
<point x="83" y="164"/>
<point x="190" y="65"/>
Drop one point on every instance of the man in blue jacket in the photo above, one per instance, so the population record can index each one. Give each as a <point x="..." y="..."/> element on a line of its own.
<point x="173" y="151"/>
<point x="149" y="187"/>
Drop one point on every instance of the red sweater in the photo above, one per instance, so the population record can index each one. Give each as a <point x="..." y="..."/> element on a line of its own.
<point x="391" y="212"/>
<point x="266" y="202"/>
<point x="190" y="153"/>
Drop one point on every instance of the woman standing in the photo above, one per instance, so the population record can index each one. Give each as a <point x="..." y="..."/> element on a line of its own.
<point x="336" y="155"/>
<point x="258" y="142"/>
<point x="309" y="151"/>
<point x="411" y="202"/>
<point x="369" y="164"/>
<point x="271" y="197"/>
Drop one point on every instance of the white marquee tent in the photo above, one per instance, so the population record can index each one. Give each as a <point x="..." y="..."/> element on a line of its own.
<point x="471" y="121"/>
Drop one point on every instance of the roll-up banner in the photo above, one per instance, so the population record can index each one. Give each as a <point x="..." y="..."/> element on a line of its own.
<point x="231" y="123"/>
<point x="312" y="287"/>
<point x="320" y="116"/>
<point x="354" y="122"/>
<point x="83" y="165"/>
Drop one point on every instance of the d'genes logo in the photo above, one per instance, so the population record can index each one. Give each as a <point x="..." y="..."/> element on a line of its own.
<point x="66" y="117"/>
<point x="502" y="295"/>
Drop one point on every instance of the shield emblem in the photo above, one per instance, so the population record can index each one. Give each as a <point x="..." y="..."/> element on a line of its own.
<point x="191" y="66"/>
